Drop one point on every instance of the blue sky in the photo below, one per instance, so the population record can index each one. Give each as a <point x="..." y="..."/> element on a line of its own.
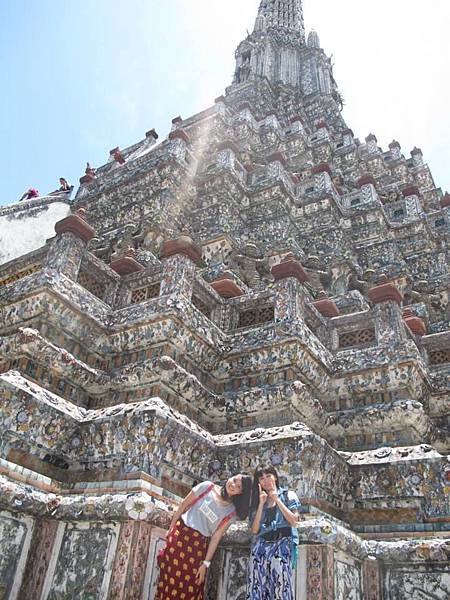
<point x="78" y="78"/>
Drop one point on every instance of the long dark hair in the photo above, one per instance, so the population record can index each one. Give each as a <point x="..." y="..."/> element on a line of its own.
<point x="241" y="502"/>
<point x="261" y="470"/>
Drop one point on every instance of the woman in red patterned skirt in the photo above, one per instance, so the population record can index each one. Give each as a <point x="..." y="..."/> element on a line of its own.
<point x="195" y="532"/>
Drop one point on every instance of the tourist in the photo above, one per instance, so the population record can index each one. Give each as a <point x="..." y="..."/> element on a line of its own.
<point x="274" y="515"/>
<point x="64" y="188"/>
<point x="195" y="532"/>
<point x="64" y="185"/>
<point x="29" y="194"/>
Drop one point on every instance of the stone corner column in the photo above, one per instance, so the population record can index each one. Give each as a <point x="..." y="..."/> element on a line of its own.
<point x="72" y="237"/>
<point x="371" y="575"/>
<point x="43" y="546"/>
<point x="289" y="277"/>
<point x="316" y="566"/>
<point x="387" y="299"/>
<point x="180" y="257"/>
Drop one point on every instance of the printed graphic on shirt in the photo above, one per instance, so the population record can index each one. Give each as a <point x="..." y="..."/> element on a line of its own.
<point x="207" y="512"/>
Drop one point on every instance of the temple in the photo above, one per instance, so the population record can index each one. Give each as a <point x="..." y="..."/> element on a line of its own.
<point x="260" y="285"/>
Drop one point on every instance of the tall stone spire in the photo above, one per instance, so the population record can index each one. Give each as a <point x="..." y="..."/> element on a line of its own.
<point x="277" y="51"/>
<point x="287" y="14"/>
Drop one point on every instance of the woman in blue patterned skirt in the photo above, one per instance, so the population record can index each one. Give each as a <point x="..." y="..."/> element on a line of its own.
<point x="274" y="552"/>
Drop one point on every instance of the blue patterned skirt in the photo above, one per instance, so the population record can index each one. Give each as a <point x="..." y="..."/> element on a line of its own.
<point x="270" y="570"/>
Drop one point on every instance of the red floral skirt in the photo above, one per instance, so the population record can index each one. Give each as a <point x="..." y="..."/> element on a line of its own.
<point x="178" y="564"/>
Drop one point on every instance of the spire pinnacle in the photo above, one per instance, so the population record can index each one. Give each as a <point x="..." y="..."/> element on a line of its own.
<point x="281" y="13"/>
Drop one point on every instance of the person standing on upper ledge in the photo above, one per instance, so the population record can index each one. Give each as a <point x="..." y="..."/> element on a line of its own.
<point x="29" y="194"/>
<point x="64" y="188"/>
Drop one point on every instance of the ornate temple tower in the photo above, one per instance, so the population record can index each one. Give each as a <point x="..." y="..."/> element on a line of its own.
<point x="277" y="50"/>
<point x="259" y="286"/>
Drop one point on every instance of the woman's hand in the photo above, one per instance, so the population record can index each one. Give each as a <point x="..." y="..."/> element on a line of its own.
<point x="262" y="496"/>
<point x="273" y="495"/>
<point x="201" y="575"/>
<point x="172" y="529"/>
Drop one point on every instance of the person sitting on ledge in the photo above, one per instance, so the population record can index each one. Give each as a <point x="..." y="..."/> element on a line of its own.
<point x="64" y="189"/>
<point x="194" y="534"/>
<point x="29" y="194"/>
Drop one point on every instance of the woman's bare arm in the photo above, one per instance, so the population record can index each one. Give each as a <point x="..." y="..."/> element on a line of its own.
<point x="257" y="520"/>
<point x="214" y="542"/>
<point x="290" y="516"/>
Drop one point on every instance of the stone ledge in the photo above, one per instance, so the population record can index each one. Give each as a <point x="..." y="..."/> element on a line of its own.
<point x="123" y="507"/>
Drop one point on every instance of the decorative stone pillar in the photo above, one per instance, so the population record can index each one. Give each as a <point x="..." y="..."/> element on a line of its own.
<point x="367" y="184"/>
<point x="66" y="251"/>
<point x="297" y="125"/>
<point x="117" y="156"/>
<point x="221" y="106"/>
<point x="322" y="131"/>
<point x="389" y="324"/>
<point x="180" y="256"/>
<point x="413" y="205"/>
<point x="414" y="323"/>
<point x="322" y="178"/>
<point x="348" y="137"/>
<point x="417" y="156"/>
<point x="39" y="556"/>
<point x="179" y="141"/>
<point x="372" y="580"/>
<point x="290" y="297"/>
<point x="372" y="144"/>
<point x="277" y="165"/>
<point x="227" y="287"/>
<point x="152" y="136"/>
<point x="130" y="565"/>
<point x="395" y="150"/>
<point x="226" y="154"/>
<point x="326" y="306"/>
<point x="246" y="114"/>
<point x="315" y="573"/>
